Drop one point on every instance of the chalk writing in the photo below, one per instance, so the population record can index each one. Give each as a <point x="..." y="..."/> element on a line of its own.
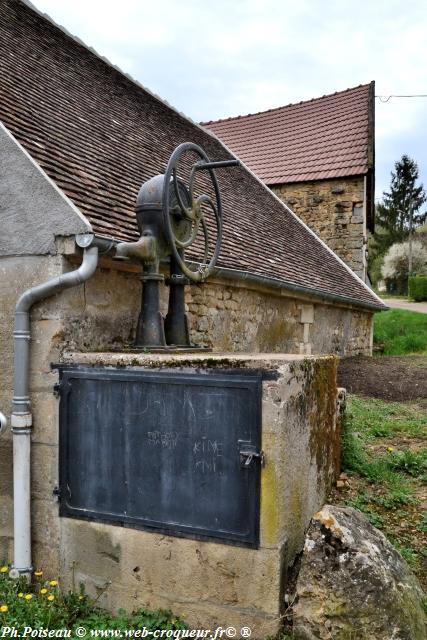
<point x="207" y="453"/>
<point x="205" y="466"/>
<point x="165" y="439"/>
<point x="208" y="446"/>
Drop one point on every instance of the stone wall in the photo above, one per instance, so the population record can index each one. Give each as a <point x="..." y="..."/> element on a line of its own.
<point x="239" y="318"/>
<point x="102" y="314"/>
<point x="299" y="437"/>
<point x="335" y="211"/>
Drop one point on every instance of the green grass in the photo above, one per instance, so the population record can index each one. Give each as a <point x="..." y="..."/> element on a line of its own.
<point x="370" y="419"/>
<point x="387" y="465"/>
<point x="375" y="418"/>
<point x="44" y="605"/>
<point x="412" y="462"/>
<point x="401" y="332"/>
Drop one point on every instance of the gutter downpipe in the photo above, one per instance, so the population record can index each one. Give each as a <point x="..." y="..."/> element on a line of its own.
<point x="21" y="417"/>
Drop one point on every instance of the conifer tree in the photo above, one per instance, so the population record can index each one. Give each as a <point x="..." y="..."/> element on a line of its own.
<point x="394" y="212"/>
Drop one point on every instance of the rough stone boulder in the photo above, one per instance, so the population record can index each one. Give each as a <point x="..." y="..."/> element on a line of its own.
<point x="353" y="585"/>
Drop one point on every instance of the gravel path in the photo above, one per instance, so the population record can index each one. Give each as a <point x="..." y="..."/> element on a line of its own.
<point x="403" y="304"/>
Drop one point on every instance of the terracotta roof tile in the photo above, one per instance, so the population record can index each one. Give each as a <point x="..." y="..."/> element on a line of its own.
<point x="322" y="138"/>
<point x="99" y="135"/>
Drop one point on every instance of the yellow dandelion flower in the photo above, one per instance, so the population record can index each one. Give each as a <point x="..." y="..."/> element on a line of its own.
<point x="51" y="598"/>
<point x="390" y="449"/>
<point x="43" y="591"/>
<point x="4" y="608"/>
<point x="20" y="594"/>
<point x="53" y="583"/>
<point x="38" y="574"/>
<point x="4" y="569"/>
<point x="80" y="597"/>
<point x="28" y="596"/>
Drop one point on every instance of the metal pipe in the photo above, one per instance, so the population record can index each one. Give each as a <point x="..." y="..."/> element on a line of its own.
<point x="219" y="164"/>
<point x="21" y="418"/>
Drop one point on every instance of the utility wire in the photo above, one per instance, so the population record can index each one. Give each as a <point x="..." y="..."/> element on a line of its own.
<point x="387" y="98"/>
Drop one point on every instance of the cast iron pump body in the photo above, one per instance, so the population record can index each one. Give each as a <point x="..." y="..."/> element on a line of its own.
<point x="170" y="218"/>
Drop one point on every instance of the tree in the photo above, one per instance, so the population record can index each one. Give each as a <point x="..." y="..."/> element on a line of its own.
<point x="395" y="268"/>
<point x="404" y="198"/>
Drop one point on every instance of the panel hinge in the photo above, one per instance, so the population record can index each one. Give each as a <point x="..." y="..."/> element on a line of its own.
<point x="57" y="389"/>
<point x="57" y="493"/>
<point x="248" y="454"/>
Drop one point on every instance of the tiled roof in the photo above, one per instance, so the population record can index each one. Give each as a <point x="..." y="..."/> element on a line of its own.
<point x="99" y="135"/>
<point x="327" y="137"/>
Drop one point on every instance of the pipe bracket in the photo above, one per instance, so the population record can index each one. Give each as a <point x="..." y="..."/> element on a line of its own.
<point x="21" y="421"/>
<point x="15" y="573"/>
<point x="22" y="335"/>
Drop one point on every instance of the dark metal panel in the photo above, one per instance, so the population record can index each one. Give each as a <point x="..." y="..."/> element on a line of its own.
<point x="161" y="450"/>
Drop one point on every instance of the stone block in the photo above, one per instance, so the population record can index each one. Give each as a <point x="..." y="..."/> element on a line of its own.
<point x="6" y="469"/>
<point x="6" y="516"/>
<point x="307" y="313"/>
<point x="45" y="409"/>
<point x="45" y="522"/>
<point x="44" y="470"/>
<point x="157" y="563"/>
<point x="46" y="343"/>
<point x="306" y="333"/>
<point x="211" y="615"/>
<point x="47" y="559"/>
<point x="24" y="272"/>
<point x="6" y="549"/>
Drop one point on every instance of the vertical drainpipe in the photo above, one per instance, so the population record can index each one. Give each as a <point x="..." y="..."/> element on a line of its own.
<point x="21" y="418"/>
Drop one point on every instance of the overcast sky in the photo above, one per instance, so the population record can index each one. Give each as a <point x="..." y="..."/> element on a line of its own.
<point x="220" y="58"/>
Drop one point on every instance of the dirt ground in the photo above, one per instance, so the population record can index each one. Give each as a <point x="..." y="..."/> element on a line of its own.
<point x="398" y="378"/>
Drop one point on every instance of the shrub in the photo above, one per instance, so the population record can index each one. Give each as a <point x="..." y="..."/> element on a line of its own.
<point x="418" y="288"/>
<point x="396" y="265"/>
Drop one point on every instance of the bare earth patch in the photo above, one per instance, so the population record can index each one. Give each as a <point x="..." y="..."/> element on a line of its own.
<point x="397" y="378"/>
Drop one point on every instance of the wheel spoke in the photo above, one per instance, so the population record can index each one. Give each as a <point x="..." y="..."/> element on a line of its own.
<point x="184" y="210"/>
<point x="206" y="234"/>
<point x="193" y="214"/>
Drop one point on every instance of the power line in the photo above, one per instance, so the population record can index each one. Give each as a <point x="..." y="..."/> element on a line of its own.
<point x="414" y="95"/>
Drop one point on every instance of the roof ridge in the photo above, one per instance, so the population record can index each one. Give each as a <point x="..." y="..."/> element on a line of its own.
<point x="285" y="106"/>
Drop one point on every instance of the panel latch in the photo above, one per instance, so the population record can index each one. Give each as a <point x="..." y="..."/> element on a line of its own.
<point x="248" y="454"/>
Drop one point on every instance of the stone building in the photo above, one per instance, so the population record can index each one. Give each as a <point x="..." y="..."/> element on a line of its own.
<point x="318" y="157"/>
<point x="77" y="139"/>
